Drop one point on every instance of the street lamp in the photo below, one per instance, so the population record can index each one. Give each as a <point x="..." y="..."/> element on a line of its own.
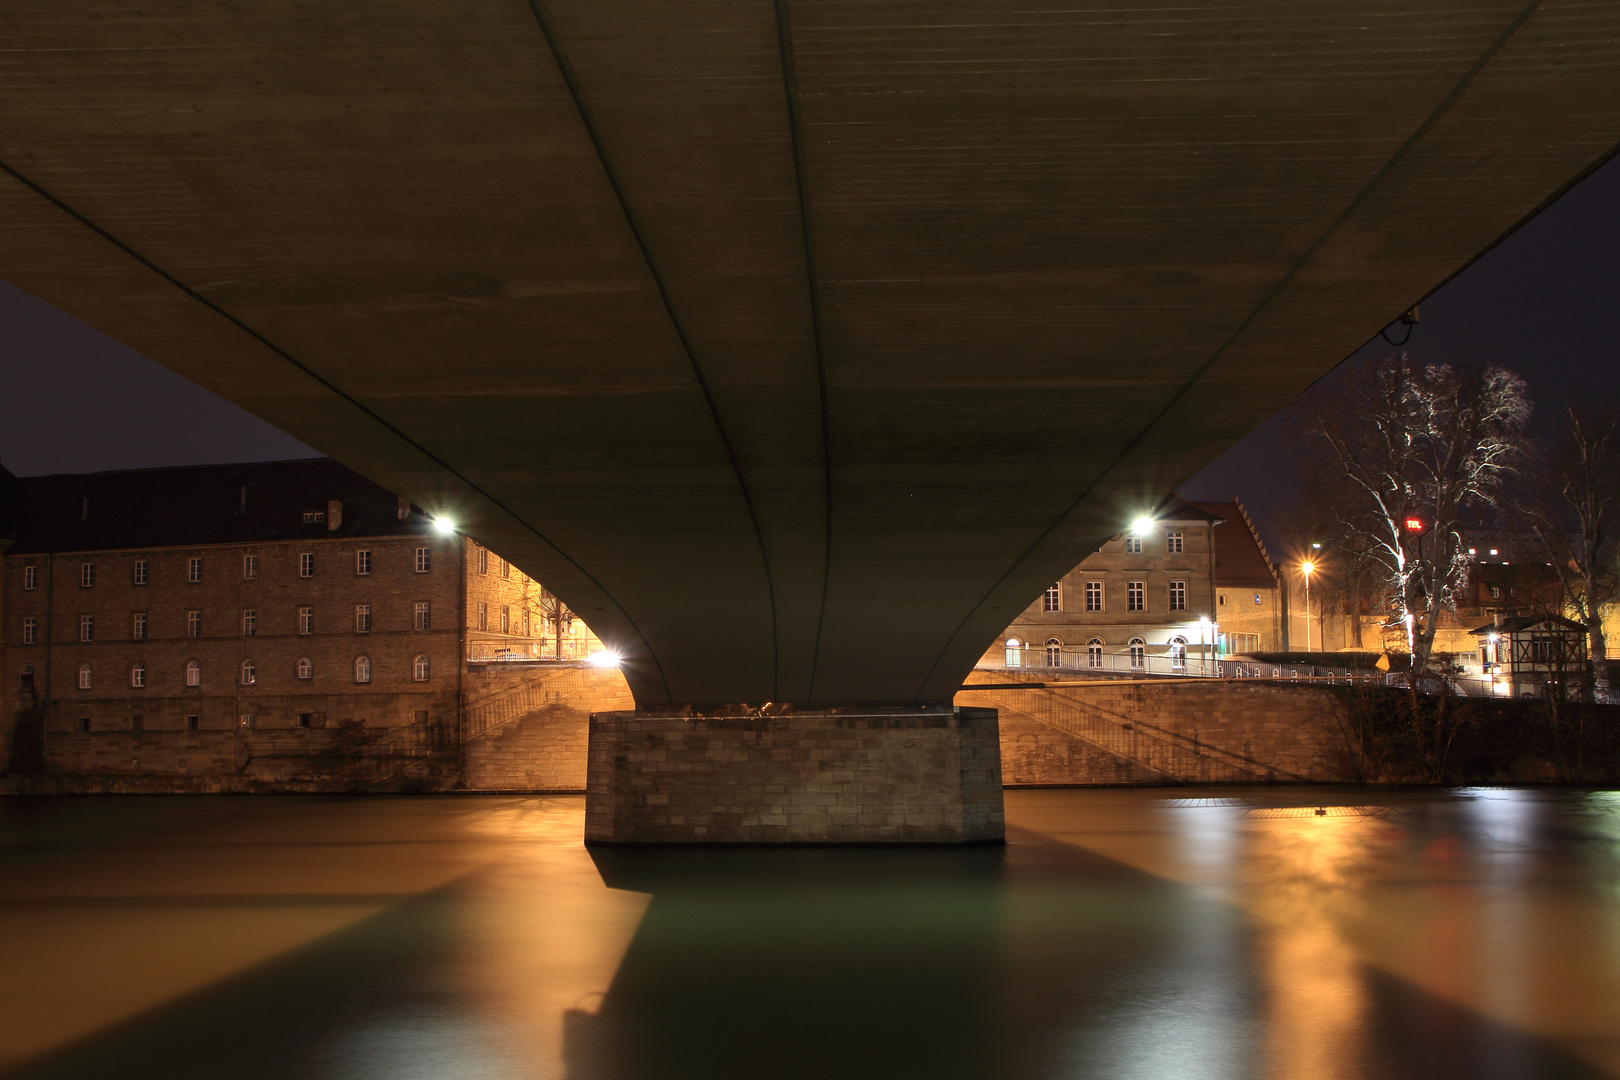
<point x="443" y="526"/>
<point x="1307" y="566"/>
<point x="1142" y="526"/>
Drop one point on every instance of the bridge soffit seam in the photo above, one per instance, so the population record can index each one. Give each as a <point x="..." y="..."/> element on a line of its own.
<point x="106" y="235"/>
<point x="790" y="93"/>
<point x="1401" y="153"/>
<point x="588" y="119"/>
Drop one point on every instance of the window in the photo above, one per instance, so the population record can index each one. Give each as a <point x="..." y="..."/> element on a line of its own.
<point x="483" y="616"/>
<point x="1138" y="653"/>
<point x="137" y="724"/>
<point x="1496" y="592"/>
<point x="1015" y="653"/>
<point x="193" y="673"/>
<point x="245" y="721"/>
<point x="250" y="622"/>
<point x="1135" y="591"/>
<point x="194" y="570"/>
<point x="528" y="625"/>
<point x="87" y="627"/>
<point x="28" y="678"/>
<point x="1053" y="600"/>
<point x="137" y="675"/>
<point x="423" y="615"/>
<point x="419" y="668"/>
<point x="362" y="669"/>
<point x="362" y="562"/>
<point x="30" y="630"/>
<point x="483" y="560"/>
<point x="362" y="618"/>
<point x="506" y="569"/>
<point x="424" y="562"/>
<point x="193" y="624"/>
<point x="191" y="722"/>
<point x="1173" y="543"/>
<point x="1094" y="653"/>
<point x="306" y="668"/>
<point x="140" y="572"/>
<point x="250" y="673"/>
<point x="1133" y="545"/>
<point x="30" y="577"/>
<point x="84" y="723"/>
<point x="87" y="575"/>
<point x="84" y="676"/>
<point x="1054" y="652"/>
<point x="1178" y="596"/>
<point x="250" y="567"/>
<point x="314" y="517"/>
<point x="1094" y="596"/>
<point x="306" y="620"/>
<point x="306" y="564"/>
<point x="1178" y="652"/>
<point x="137" y="631"/>
<point x="306" y="719"/>
<point x="506" y="619"/>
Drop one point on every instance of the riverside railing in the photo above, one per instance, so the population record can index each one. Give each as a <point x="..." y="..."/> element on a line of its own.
<point x="1036" y="661"/>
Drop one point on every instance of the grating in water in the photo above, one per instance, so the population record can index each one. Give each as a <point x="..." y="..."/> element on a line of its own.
<point x="1318" y="811"/>
<point x="1203" y="802"/>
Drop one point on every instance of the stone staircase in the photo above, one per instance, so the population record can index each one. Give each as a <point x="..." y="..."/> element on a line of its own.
<point x="1169" y="756"/>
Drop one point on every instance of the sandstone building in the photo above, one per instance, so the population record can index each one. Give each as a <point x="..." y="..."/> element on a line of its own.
<point x="253" y="620"/>
<point x="1195" y="587"/>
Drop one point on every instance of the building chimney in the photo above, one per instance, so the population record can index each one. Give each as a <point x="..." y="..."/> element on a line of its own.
<point x="334" y="514"/>
<point x="241" y="506"/>
<point x="1496" y="619"/>
<point x="84" y="508"/>
<point x="404" y="509"/>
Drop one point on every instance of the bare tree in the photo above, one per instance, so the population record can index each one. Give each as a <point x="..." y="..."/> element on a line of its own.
<point x="1397" y="441"/>
<point x="1578" y="521"/>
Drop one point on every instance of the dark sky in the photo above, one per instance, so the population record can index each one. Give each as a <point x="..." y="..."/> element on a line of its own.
<point x="1545" y="303"/>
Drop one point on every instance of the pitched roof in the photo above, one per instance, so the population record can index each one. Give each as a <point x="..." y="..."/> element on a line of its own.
<point x="1517" y="623"/>
<point x="199" y="504"/>
<point x="1240" y="557"/>
<point x="1174" y="510"/>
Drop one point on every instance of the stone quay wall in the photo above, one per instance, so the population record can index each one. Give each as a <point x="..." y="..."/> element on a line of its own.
<point x="928" y="775"/>
<point x="1168" y="731"/>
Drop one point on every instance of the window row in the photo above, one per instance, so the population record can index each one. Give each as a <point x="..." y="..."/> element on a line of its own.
<point x="523" y="623"/>
<point x="1052" y="653"/>
<point x="1174" y="543"/>
<point x="1135" y="596"/>
<point x="422" y="619"/>
<point x="483" y="563"/>
<point x="250" y="568"/>
<point x="247" y="673"/>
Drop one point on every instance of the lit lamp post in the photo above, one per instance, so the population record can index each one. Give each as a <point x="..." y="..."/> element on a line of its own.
<point x="1306" y="567"/>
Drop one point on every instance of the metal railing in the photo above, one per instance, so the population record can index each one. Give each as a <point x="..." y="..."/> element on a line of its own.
<point x="1035" y="662"/>
<point x="529" y="649"/>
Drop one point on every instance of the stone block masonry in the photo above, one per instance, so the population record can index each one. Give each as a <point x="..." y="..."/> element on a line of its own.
<point x="1168" y="731"/>
<point x="854" y="774"/>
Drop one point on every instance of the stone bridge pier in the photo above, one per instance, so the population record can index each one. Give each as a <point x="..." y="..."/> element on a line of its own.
<point x="877" y="774"/>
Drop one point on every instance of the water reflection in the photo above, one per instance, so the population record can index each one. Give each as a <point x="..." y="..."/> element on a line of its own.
<point x="1116" y="935"/>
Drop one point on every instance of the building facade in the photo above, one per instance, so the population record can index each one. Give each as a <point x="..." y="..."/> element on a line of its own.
<point x="1172" y="598"/>
<point x="221" y="615"/>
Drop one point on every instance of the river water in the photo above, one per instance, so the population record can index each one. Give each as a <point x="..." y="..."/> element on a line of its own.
<point x="1121" y="933"/>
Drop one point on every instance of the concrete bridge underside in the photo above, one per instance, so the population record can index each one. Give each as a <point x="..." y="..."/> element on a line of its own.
<point x="795" y="345"/>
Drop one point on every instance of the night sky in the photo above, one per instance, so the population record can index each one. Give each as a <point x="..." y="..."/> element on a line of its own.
<point x="1546" y="303"/>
